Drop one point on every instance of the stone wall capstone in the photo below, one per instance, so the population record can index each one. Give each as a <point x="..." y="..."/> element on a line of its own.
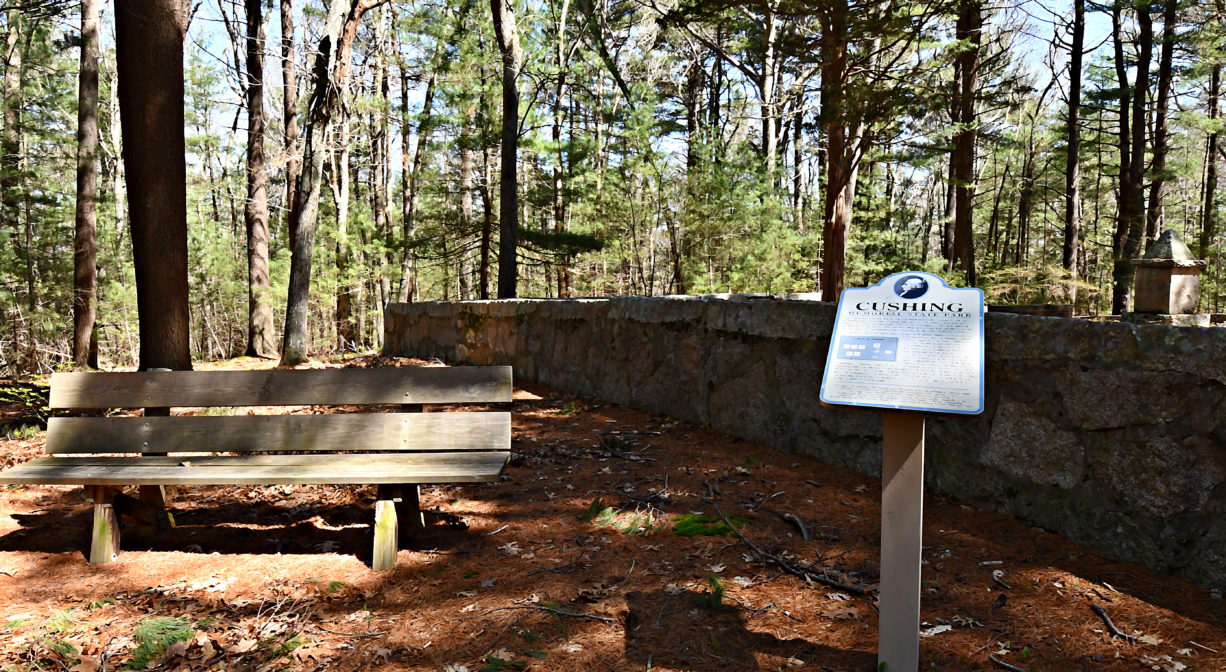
<point x="1109" y="433"/>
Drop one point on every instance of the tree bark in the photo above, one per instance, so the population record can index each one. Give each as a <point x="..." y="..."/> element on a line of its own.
<point x="85" y="243"/>
<point x="289" y="77"/>
<point x="770" y="109"/>
<point x="1208" y="217"/>
<point x="1153" y="219"/>
<point x="10" y="140"/>
<point x="1130" y="222"/>
<point x="508" y="207"/>
<point x="1072" y="163"/>
<point x="149" y="61"/>
<point x="844" y="146"/>
<point x="969" y="31"/>
<point x="559" y="200"/>
<point x="329" y="70"/>
<point x="260" y="339"/>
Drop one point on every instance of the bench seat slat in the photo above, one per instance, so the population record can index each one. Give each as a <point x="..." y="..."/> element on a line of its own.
<point x="282" y="387"/>
<point x="280" y="433"/>
<point x="360" y="469"/>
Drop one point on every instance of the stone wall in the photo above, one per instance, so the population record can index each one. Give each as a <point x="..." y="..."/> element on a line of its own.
<point x="1108" y="433"/>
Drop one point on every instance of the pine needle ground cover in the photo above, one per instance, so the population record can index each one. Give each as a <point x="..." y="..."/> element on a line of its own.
<point x="616" y="541"/>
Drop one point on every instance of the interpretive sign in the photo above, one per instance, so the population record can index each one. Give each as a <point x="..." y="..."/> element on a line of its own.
<point x="910" y="342"/>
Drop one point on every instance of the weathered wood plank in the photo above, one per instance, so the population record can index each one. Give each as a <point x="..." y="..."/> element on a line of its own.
<point x="104" y="544"/>
<point x="274" y="433"/>
<point x="386" y="534"/>
<point x="469" y="467"/>
<point x="283" y="387"/>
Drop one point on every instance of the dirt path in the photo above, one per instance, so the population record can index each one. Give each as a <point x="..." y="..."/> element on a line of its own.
<point x="510" y="575"/>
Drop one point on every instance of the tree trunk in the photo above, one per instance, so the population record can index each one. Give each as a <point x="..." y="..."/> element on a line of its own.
<point x="1153" y="219"/>
<point x="10" y="141"/>
<point x="1072" y="163"/>
<point x="290" y="110"/>
<point x="508" y="206"/>
<point x="844" y="147"/>
<point x="559" y="200"/>
<point x="947" y="223"/>
<point x="346" y="329"/>
<point x="85" y="244"/>
<point x="412" y="179"/>
<point x="149" y="61"/>
<point x="1208" y="217"/>
<point x="1130" y="223"/>
<point x="969" y="32"/>
<point x="770" y="111"/>
<point x="260" y="339"/>
<point x="466" y="181"/>
<point x="487" y="198"/>
<point x="329" y="70"/>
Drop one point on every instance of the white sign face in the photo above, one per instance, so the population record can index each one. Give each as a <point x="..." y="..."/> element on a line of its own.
<point x="909" y="342"/>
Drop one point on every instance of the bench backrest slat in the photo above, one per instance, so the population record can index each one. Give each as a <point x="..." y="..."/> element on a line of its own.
<point x="281" y="433"/>
<point x="282" y="387"/>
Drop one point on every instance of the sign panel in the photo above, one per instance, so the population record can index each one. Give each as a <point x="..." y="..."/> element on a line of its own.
<point x="909" y="342"/>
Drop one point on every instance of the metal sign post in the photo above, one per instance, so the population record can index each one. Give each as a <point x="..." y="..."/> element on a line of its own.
<point x="909" y="344"/>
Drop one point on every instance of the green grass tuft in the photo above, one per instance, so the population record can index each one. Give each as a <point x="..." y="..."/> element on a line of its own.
<point x="701" y="525"/>
<point x="155" y="635"/>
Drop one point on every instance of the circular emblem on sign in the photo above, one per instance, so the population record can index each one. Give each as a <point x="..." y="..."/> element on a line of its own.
<point x="911" y="287"/>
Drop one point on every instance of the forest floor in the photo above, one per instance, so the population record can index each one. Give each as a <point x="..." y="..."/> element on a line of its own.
<point x="516" y="574"/>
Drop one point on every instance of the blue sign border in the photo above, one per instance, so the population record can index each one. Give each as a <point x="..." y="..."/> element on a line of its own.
<point x="893" y="277"/>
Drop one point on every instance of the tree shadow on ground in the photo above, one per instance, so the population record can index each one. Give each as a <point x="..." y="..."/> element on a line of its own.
<point x="672" y="631"/>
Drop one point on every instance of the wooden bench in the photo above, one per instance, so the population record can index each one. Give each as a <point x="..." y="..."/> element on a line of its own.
<point x="396" y="451"/>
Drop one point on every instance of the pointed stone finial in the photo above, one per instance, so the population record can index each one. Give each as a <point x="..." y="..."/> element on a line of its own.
<point x="1170" y="247"/>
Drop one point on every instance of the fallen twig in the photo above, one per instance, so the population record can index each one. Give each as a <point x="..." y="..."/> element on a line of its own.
<point x="1115" y="632"/>
<point x="660" y="614"/>
<point x="556" y="612"/>
<point x="1202" y="646"/>
<point x="359" y="635"/>
<point x="1003" y="665"/>
<point x="795" y="520"/>
<point x="557" y="569"/>
<point x="785" y="566"/>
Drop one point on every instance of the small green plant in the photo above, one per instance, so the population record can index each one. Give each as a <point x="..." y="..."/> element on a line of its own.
<point x="571" y="408"/>
<point x="98" y="604"/>
<point x="154" y="636"/>
<point x="15" y="622"/>
<point x="594" y="509"/>
<point x="61" y="622"/>
<point x="494" y="664"/>
<point x="61" y="648"/>
<point x="283" y="645"/>
<point x="640" y="521"/>
<point x="701" y="525"/>
<point x="528" y="636"/>
<point x="713" y="597"/>
<point x="334" y="586"/>
<point x="535" y="653"/>
<point x="206" y="623"/>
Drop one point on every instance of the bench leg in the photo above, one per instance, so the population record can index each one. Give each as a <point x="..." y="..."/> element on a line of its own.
<point x="386" y="533"/>
<point x="408" y="508"/>
<point x="104" y="545"/>
<point x="153" y="499"/>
